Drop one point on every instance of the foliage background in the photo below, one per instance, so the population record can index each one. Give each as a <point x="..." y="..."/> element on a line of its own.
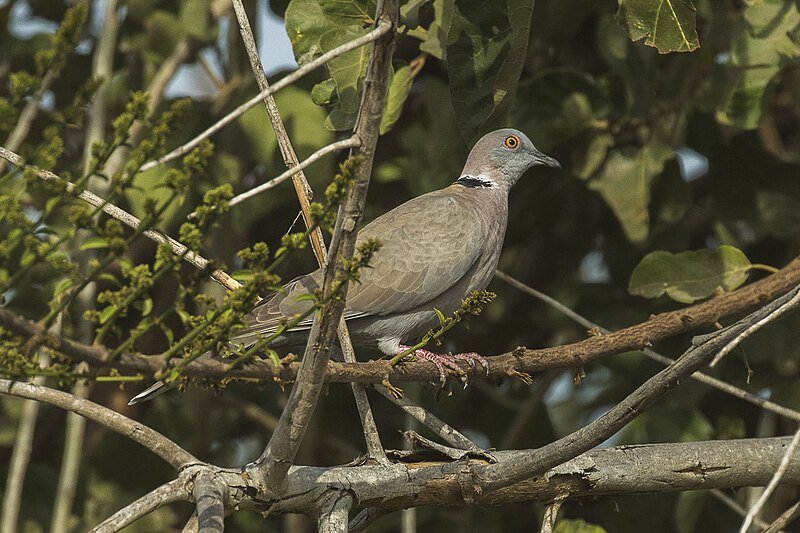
<point x="671" y="152"/>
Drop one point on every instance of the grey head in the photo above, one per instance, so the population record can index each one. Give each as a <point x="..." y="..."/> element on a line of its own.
<point x="501" y="157"/>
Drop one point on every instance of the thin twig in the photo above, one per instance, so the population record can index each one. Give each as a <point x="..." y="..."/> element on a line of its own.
<point x="734" y="506"/>
<point x="352" y="142"/>
<point x="128" y="219"/>
<point x="551" y="514"/>
<point x="172" y="491"/>
<point x="779" y="473"/>
<point x="70" y="465"/>
<point x="23" y="444"/>
<point x="147" y="437"/>
<point x="382" y="29"/>
<point x="698" y="376"/>
<point x="449" y="434"/>
<point x="786" y="518"/>
<point x="301" y="186"/>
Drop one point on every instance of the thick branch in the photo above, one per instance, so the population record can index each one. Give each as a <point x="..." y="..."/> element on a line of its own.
<point x="333" y="512"/>
<point x="698" y="355"/>
<point x="209" y="493"/>
<point x="636" y="469"/>
<point x="658" y="327"/>
<point x="274" y="463"/>
<point x="149" y="438"/>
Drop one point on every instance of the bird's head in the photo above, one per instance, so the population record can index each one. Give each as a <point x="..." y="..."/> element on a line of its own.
<point x="501" y="157"/>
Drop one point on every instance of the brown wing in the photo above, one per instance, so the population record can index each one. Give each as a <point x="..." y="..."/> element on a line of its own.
<point x="427" y="245"/>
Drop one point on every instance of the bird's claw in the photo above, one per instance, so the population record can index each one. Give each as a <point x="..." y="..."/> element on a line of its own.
<point x="448" y="363"/>
<point x="397" y="392"/>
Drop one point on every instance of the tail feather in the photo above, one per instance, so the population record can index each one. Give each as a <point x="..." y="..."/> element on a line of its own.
<point x="156" y="389"/>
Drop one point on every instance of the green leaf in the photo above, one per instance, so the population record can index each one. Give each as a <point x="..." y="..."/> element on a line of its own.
<point x="396" y="96"/>
<point x="669" y="25"/>
<point x="93" y="243"/>
<point x="576" y="526"/>
<point x="594" y="155"/>
<point x="324" y="92"/>
<point x="347" y="12"/>
<point x="107" y="313"/>
<point x="347" y="71"/>
<point x="486" y="51"/>
<point x="689" y="276"/>
<point x="760" y="47"/>
<point x="409" y="13"/>
<point x="63" y="286"/>
<point x="242" y="276"/>
<point x="436" y="42"/>
<point x="195" y="18"/>
<point x="145" y="306"/>
<point x="624" y="184"/>
<point x="305" y="24"/>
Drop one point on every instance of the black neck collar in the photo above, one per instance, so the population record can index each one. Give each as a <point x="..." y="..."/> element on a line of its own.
<point x="474" y="182"/>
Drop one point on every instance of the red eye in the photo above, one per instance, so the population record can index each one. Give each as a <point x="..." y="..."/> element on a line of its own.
<point x="512" y="141"/>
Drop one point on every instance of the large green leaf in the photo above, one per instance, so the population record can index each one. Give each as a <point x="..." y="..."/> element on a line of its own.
<point x="436" y="42"/>
<point x="768" y="37"/>
<point x="689" y="276"/>
<point x="486" y="51"/>
<point x="669" y="25"/>
<point x="399" y="87"/>
<point x="624" y="183"/>
<point x="347" y="71"/>
<point x="305" y="24"/>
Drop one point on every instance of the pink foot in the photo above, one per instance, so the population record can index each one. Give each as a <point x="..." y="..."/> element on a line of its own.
<point x="444" y="362"/>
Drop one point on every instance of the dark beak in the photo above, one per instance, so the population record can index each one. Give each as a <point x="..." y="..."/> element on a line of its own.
<point x="548" y="161"/>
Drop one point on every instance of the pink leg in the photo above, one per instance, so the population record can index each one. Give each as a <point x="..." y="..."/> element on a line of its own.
<point x="444" y="362"/>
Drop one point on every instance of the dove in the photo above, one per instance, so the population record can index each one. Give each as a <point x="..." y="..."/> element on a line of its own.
<point x="436" y="249"/>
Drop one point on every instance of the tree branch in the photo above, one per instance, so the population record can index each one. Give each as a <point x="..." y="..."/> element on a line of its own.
<point x="209" y="493"/>
<point x="333" y="512"/>
<point x="776" y="478"/>
<point x="303" y="191"/>
<point x="149" y="438"/>
<point x="352" y="142"/>
<point x="699" y="354"/>
<point x="658" y="327"/>
<point x="173" y="491"/>
<point x="274" y="463"/>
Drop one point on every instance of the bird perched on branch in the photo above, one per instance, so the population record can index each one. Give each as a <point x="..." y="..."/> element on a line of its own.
<point x="436" y="249"/>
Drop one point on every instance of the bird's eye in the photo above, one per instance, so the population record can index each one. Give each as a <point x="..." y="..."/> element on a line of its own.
<point x="512" y="141"/>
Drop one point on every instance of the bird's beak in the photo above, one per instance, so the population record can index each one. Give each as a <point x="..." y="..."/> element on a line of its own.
<point x="547" y="161"/>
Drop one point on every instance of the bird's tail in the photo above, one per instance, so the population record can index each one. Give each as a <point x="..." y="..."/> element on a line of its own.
<point x="156" y="389"/>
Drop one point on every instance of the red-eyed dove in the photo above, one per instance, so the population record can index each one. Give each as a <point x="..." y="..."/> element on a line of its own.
<point x="436" y="249"/>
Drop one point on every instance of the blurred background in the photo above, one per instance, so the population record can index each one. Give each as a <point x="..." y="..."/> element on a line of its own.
<point x="674" y="152"/>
